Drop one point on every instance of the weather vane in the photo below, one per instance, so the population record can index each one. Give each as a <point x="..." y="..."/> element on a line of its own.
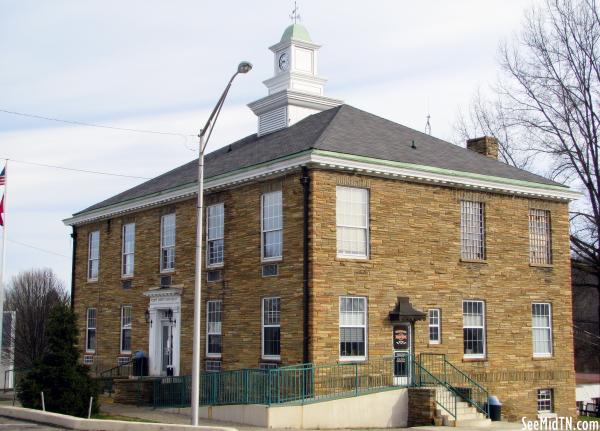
<point x="295" y="16"/>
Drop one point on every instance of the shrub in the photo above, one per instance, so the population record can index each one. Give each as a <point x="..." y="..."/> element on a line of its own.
<point x="66" y="383"/>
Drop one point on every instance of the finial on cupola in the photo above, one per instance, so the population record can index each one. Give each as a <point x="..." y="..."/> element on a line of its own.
<point x="295" y="16"/>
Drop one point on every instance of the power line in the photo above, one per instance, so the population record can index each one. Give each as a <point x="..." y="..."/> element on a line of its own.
<point x="37" y="248"/>
<point x="77" y="170"/>
<point x="101" y="126"/>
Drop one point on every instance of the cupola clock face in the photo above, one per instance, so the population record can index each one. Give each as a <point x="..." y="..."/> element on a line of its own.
<point x="284" y="61"/>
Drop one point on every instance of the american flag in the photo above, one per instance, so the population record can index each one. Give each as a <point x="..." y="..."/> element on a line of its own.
<point x="3" y="177"/>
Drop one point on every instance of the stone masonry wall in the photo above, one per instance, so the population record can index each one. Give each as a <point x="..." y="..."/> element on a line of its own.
<point x="241" y="289"/>
<point x="415" y="252"/>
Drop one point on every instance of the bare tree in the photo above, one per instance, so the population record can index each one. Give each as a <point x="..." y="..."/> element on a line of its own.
<point x="548" y="99"/>
<point x="32" y="295"/>
<point x="488" y="118"/>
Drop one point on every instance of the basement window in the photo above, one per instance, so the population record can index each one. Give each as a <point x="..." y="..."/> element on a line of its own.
<point x="212" y="366"/>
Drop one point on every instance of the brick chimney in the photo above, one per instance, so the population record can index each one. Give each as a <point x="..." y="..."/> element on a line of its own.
<point x="486" y="145"/>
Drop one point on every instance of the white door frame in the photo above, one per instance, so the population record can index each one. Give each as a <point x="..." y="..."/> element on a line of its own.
<point x="161" y="300"/>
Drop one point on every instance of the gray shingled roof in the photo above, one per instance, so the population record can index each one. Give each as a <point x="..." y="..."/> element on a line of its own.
<point x="342" y="129"/>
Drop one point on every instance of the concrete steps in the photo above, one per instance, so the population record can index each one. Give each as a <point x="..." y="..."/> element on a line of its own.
<point x="466" y="415"/>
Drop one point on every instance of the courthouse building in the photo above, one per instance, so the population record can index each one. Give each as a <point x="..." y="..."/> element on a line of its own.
<point x="335" y="235"/>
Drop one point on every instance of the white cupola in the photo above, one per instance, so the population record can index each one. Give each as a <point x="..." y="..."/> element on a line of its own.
<point x="295" y="90"/>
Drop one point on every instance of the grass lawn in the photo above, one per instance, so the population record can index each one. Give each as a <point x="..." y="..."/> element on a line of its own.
<point x="588" y="419"/>
<point x="106" y="416"/>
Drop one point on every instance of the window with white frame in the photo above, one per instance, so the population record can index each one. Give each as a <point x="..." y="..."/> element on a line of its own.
<point x="353" y="328"/>
<point x="352" y="222"/>
<point x="90" y="333"/>
<point x="272" y="225"/>
<point x="93" y="255"/>
<point x="544" y="401"/>
<point x="541" y="324"/>
<point x="435" y="334"/>
<point x="128" y="249"/>
<point x="540" y="244"/>
<point x="212" y="366"/>
<point x="474" y="329"/>
<point x="472" y="230"/>
<point x="271" y="328"/>
<point x="126" y="329"/>
<point x="213" y="328"/>
<point x="215" y="219"/>
<point x="123" y="360"/>
<point x="88" y="359"/>
<point x="167" y="242"/>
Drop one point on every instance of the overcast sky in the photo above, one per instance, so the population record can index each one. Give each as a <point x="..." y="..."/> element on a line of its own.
<point x="161" y="66"/>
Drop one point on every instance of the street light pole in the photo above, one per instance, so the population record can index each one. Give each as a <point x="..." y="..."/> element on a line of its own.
<point x="203" y="137"/>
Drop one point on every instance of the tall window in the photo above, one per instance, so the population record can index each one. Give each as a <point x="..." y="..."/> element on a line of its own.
<point x="90" y="333"/>
<point x="353" y="328"/>
<point x="474" y="329"/>
<point x="126" y="329"/>
<point x="128" y="249"/>
<point x="472" y="230"/>
<point x="167" y="242"/>
<point x="272" y="225"/>
<point x="93" y="255"/>
<point x="541" y="325"/>
<point x="271" y="328"/>
<point x="540" y="244"/>
<point x="544" y="401"/>
<point x="213" y="328"/>
<point x="214" y="235"/>
<point x="352" y="221"/>
<point x="435" y="334"/>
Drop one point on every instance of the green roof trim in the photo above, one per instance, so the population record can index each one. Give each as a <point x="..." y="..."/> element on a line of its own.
<point x="296" y="32"/>
<point x="442" y="171"/>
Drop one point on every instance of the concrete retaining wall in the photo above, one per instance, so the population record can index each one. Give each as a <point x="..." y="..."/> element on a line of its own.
<point x="388" y="409"/>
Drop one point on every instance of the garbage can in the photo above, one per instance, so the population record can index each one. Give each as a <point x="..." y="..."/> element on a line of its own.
<point x="494" y="408"/>
<point x="140" y="364"/>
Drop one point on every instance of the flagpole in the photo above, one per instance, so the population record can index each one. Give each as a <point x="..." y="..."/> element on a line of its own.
<point x="3" y="259"/>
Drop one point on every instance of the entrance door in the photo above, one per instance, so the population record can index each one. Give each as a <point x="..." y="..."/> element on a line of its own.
<point x="402" y="349"/>
<point x="166" y="343"/>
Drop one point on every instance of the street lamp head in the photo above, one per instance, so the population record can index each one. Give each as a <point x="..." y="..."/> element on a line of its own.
<point x="244" y="67"/>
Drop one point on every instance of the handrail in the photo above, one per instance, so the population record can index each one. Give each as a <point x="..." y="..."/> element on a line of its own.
<point x="109" y="372"/>
<point x="423" y="383"/>
<point x="456" y="379"/>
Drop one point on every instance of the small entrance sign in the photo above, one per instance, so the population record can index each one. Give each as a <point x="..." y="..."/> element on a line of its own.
<point x="401" y="340"/>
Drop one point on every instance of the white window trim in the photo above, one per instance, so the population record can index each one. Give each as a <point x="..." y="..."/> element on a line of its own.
<point x="534" y="212"/>
<point x="537" y="399"/>
<point x="87" y="330"/>
<point x="542" y="355"/>
<point x="262" y="330"/>
<point x="366" y="228"/>
<point x="160" y="261"/>
<point x="123" y="254"/>
<point x="123" y="307"/>
<point x="438" y="325"/>
<point x="219" y="264"/>
<point x="213" y="355"/>
<point x="365" y="326"/>
<point x="263" y="231"/>
<point x="482" y="230"/>
<point x="90" y="256"/>
<point x="475" y="355"/>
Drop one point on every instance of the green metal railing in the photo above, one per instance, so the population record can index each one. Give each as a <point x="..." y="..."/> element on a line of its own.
<point x="445" y="399"/>
<point x="304" y="383"/>
<point x="457" y="381"/>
